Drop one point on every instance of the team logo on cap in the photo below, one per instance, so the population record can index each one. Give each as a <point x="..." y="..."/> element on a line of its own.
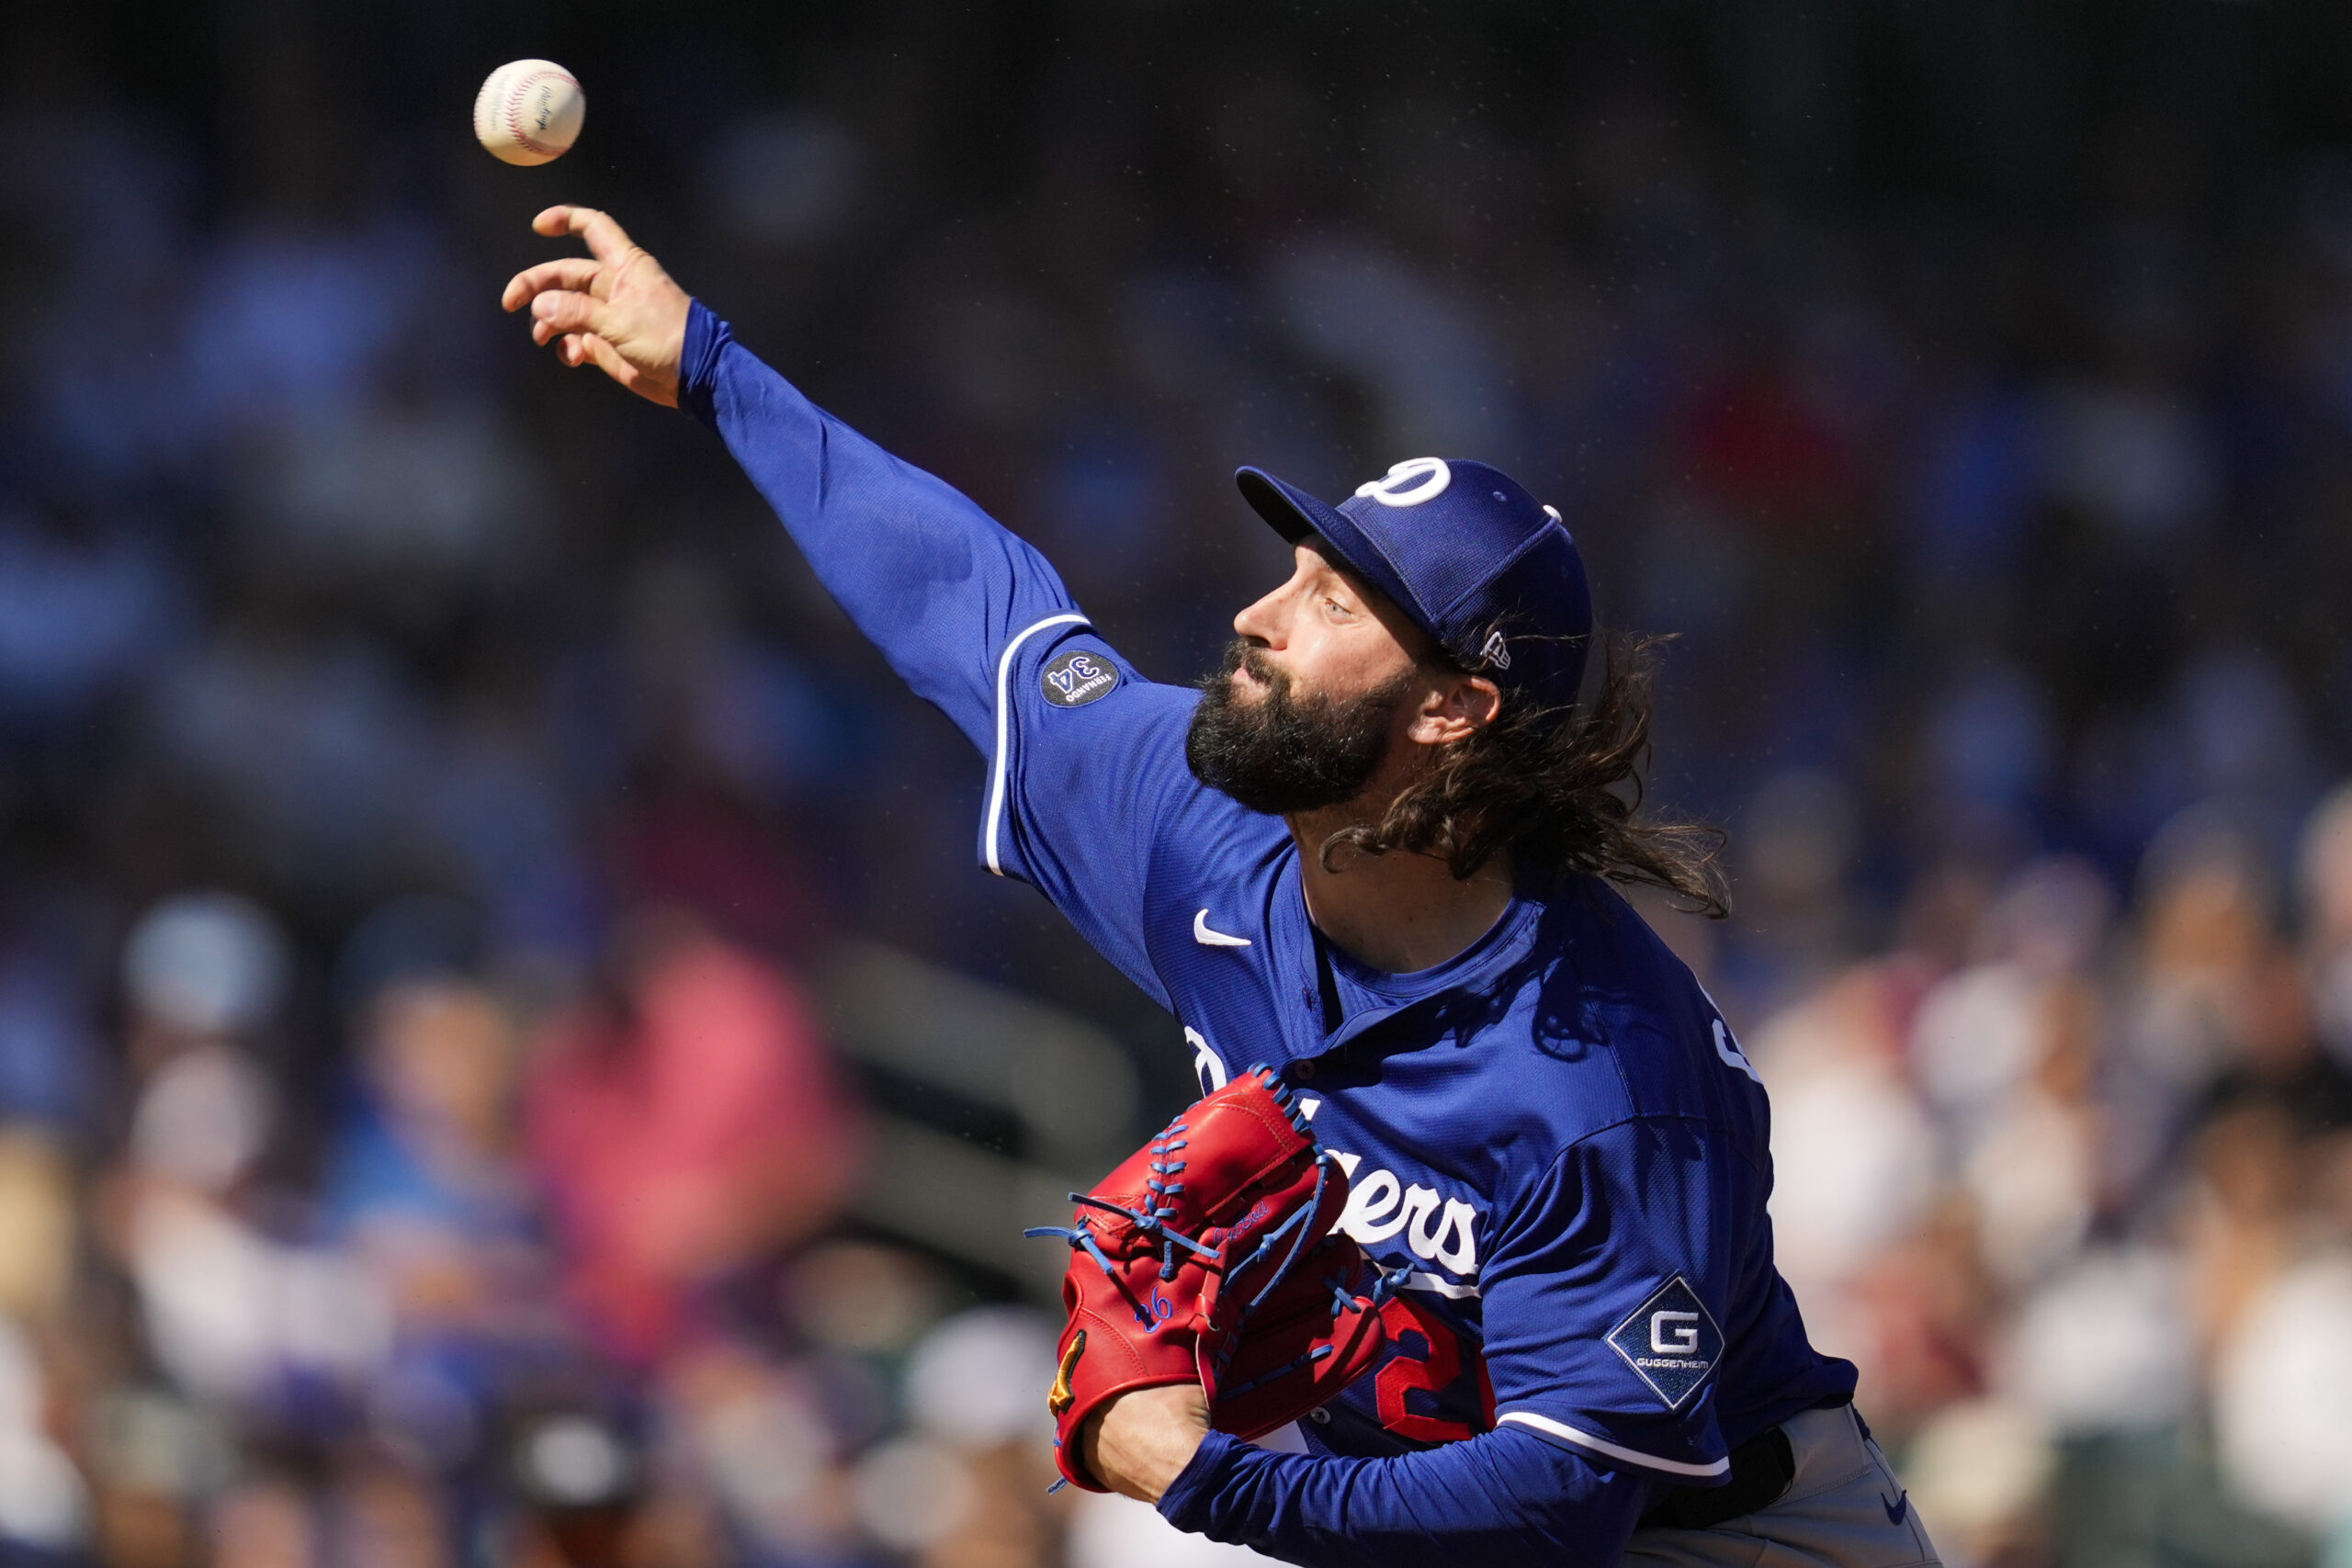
<point x="1410" y="484"/>
<point x="1496" y="652"/>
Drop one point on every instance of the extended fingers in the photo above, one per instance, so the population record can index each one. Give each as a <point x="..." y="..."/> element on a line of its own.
<point x="577" y="273"/>
<point x="562" y="310"/>
<point x="606" y="238"/>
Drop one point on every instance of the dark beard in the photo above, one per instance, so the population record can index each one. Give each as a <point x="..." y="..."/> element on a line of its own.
<point x="1284" y="753"/>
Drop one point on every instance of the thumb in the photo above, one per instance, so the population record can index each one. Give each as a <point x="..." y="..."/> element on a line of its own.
<point x="610" y="361"/>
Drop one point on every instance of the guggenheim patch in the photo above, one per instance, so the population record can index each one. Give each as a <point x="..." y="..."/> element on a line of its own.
<point x="1670" y="1342"/>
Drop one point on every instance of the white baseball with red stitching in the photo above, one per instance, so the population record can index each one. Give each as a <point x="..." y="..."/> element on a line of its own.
<point x="529" y="111"/>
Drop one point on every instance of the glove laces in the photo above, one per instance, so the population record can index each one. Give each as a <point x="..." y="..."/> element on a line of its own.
<point x="1161" y="1187"/>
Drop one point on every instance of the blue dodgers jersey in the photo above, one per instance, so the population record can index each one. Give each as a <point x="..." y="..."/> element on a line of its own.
<point x="1555" y="1133"/>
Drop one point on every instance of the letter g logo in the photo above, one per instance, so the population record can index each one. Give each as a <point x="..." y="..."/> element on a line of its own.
<point x="1682" y="1325"/>
<point x="1410" y="482"/>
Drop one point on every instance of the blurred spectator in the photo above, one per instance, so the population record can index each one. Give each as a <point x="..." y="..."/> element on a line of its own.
<point x="82" y="611"/>
<point x="971" y="1397"/>
<point x="1855" y="1156"/>
<point x="266" y="1521"/>
<point x="684" y="1125"/>
<point x="583" y="1485"/>
<point x="425" y="1190"/>
<point x="235" y="1315"/>
<point x="2326" y="886"/>
<point x="44" y="1502"/>
<point x="1982" y="1469"/>
<point x="2283" y="1379"/>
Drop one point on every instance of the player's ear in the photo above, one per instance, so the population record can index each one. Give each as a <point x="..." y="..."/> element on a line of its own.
<point x="1457" y="708"/>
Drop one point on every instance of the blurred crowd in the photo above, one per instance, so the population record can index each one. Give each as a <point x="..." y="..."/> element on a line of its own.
<point x="2072" y="1181"/>
<point x="432" y="794"/>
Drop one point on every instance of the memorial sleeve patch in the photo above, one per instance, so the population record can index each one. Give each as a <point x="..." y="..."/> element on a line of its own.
<point x="1076" y="678"/>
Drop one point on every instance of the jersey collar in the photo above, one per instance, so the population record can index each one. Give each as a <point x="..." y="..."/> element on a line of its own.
<point x="1469" y="971"/>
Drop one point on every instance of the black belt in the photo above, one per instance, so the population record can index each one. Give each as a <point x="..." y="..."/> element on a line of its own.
<point x="1761" y="1469"/>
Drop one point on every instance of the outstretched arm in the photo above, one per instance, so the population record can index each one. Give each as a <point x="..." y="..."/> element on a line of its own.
<point x="937" y="584"/>
<point x="964" y="611"/>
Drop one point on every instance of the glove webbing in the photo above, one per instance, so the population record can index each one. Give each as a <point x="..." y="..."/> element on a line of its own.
<point x="1154" y="1220"/>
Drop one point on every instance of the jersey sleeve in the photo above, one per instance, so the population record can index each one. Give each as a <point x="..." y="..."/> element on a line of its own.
<point x="1606" y="1297"/>
<point x="938" y="585"/>
<point x="1086" y="778"/>
<point x="1085" y="758"/>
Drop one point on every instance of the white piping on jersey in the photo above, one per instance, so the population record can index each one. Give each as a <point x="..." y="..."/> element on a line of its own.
<point x="1207" y="938"/>
<point x="1423" y="1282"/>
<point x="1003" y="726"/>
<point x="1566" y="1433"/>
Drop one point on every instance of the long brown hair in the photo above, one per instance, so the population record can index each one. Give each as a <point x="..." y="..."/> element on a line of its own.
<point x="1560" y="790"/>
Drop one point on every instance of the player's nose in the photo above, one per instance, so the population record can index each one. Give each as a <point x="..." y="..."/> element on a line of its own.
<point x="1260" y="622"/>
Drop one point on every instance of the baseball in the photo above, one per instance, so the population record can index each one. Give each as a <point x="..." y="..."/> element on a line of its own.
<point x="528" y="111"/>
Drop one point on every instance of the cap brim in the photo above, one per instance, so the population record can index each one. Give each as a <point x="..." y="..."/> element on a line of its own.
<point x="1294" y="513"/>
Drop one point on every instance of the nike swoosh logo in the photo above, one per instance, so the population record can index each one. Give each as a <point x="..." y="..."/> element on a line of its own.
<point x="1207" y="938"/>
<point x="1895" y="1511"/>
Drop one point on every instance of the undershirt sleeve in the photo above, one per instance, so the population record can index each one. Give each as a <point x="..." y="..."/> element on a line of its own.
<point x="1499" y="1500"/>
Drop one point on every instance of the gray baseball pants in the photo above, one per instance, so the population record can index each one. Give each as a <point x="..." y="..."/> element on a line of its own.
<point x="1843" y="1509"/>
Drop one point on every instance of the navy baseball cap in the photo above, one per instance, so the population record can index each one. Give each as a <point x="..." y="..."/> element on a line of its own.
<point x="1489" y="572"/>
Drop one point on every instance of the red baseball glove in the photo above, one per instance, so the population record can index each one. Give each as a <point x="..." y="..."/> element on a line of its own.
<point x="1208" y="1257"/>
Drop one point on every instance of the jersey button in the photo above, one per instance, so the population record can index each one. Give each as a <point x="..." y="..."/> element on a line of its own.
<point x="1305" y="1071"/>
